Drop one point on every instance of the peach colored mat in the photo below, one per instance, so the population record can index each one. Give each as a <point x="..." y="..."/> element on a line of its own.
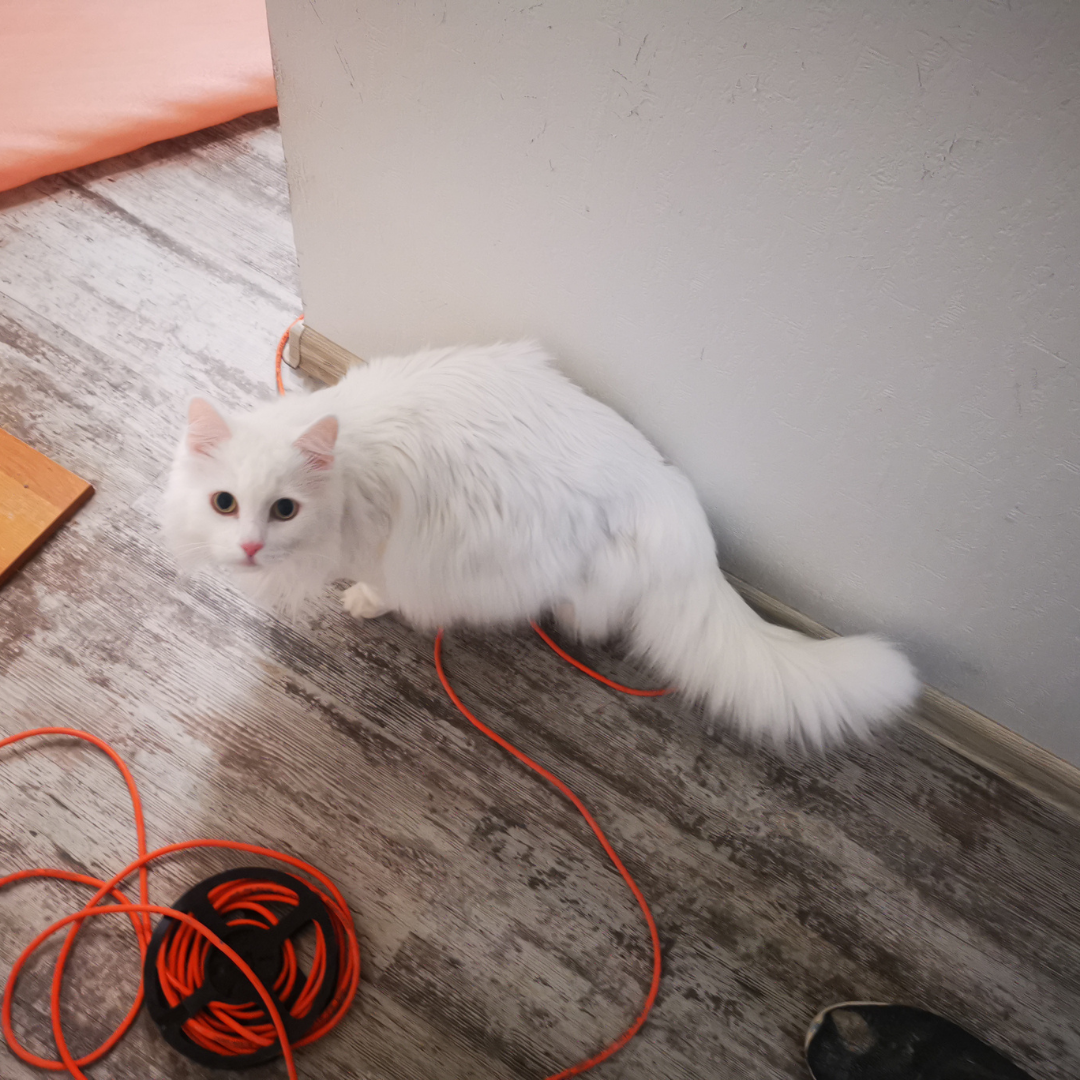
<point x="82" y="80"/>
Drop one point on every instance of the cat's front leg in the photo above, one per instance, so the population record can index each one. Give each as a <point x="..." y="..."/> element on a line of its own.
<point x="361" y="601"/>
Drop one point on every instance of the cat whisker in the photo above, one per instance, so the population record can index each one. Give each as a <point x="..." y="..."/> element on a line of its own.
<point x="194" y="546"/>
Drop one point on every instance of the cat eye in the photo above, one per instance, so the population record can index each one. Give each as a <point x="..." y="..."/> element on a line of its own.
<point x="284" y="509"/>
<point x="224" y="502"/>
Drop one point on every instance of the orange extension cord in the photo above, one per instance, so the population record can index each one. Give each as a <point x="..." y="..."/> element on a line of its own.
<point x="551" y="778"/>
<point x="240" y="1031"/>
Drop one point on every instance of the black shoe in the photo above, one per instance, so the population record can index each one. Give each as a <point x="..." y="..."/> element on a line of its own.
<point x="862" y="1041"/>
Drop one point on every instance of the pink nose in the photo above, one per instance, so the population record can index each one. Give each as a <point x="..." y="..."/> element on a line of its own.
<point x="251" y="547"/>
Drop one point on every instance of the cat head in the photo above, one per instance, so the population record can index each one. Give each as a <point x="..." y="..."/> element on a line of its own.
<point x="255" y="496"/>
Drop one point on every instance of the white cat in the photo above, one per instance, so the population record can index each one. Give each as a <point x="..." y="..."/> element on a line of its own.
<point x="480" y="486"/>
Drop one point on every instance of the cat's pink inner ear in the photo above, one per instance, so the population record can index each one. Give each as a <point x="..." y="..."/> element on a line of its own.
<point x="206" y="427"/>
<point x="317" y="443"/>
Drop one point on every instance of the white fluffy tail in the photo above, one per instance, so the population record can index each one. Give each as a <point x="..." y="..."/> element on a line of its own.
<point x="770" y="681"/>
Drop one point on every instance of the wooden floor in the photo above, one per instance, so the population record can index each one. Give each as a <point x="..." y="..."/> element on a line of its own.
<point x="497" y="941"/>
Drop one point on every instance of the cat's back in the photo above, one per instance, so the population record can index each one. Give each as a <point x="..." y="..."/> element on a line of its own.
<point x="472" y="373"/>
<point x="474" y="387"/>
<point x="481" y="405"/>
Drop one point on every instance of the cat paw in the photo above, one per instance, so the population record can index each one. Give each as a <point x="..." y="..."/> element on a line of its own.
<point x="363" y="602"/>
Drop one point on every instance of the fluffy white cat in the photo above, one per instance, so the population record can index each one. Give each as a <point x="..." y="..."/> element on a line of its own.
<point x="480" y="486"/>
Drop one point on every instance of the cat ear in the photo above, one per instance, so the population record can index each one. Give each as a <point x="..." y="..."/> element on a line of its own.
<point x="206" y="427"/>
<point x="317" y="443"/>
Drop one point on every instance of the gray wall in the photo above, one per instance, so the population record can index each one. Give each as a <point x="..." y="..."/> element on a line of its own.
<point x="824" y="254"/>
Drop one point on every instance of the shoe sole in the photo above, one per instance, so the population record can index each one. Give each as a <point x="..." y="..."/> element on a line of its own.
<point x="815" y="1024"/>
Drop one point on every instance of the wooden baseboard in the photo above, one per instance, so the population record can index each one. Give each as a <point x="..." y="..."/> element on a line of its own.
<point x="969" y="733"/>
<point x="962" y="729"/>
<point x="317" y="356"/>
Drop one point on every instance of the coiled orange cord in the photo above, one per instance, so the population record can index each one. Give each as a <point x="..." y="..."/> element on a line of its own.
<point x="183" y="968"/>
<point x="238" y="1031"/>
<point x="344" y="991"/>
<point x="181" y="965"/>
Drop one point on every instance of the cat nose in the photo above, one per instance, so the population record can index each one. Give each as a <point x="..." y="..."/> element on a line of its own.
<point x="251" y="547"/>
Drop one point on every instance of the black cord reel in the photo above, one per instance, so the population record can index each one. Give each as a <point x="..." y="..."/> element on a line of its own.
<point x="259" y="917"/>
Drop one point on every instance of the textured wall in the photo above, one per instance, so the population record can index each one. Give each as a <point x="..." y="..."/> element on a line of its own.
<point x="825" y="254"/>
